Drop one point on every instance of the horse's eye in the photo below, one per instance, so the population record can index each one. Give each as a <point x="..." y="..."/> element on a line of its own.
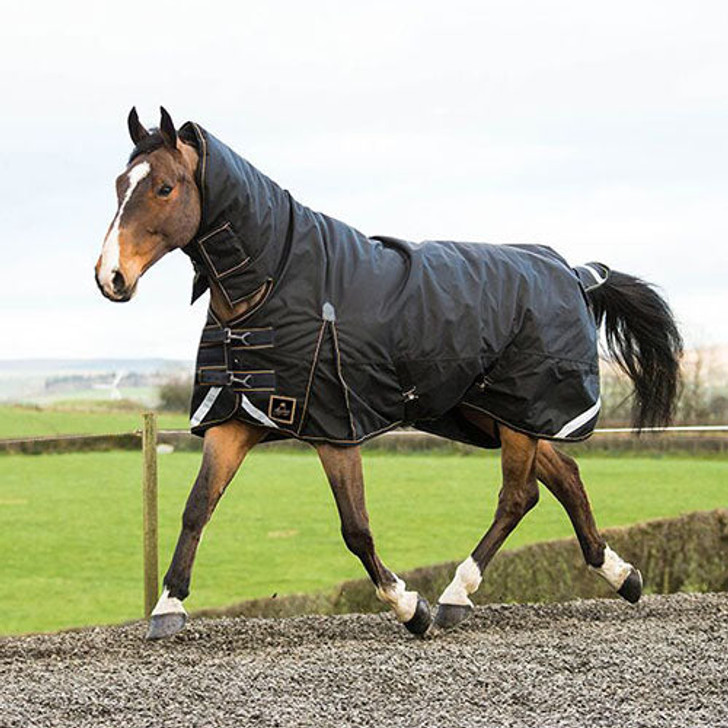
<point x="164" y="190"/>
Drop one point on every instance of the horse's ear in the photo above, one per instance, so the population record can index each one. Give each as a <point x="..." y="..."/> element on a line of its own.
<point x="167" y="130"/>
<point x="136" y="130"/>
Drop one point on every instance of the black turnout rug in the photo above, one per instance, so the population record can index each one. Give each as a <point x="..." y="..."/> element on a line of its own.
<point x="357" y="335"/>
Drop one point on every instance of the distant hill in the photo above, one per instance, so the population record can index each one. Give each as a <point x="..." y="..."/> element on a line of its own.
<point x="42" y="381"/>
<point x="78" y="366"/>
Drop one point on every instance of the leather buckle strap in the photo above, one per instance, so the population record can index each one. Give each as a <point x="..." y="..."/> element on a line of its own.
<point x="239" y="381"/>
<point x="214" y="376"/>
<point x="254" y="381"/>
<point x="246" y="338"/>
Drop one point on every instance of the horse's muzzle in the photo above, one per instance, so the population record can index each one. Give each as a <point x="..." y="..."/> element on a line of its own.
<point x="118" y="290"/>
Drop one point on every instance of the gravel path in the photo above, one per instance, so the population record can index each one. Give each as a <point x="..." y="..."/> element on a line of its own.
<point x="591" y="663"/>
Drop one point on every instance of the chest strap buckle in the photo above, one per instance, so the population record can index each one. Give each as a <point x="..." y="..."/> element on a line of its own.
<point x="259" y="338"/>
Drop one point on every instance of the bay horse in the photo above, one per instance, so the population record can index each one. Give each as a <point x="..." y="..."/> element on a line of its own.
<point x="318" y="332"/>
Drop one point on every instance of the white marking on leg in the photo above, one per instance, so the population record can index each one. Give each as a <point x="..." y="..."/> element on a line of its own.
<point x="403" y="602"/>
<point x="466" y="581"/>
<point x="168" y="605"/>
<point x="613" y="570"/>
<point x="110" y="250"/>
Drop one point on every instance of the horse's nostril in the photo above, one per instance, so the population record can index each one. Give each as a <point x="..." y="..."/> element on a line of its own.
<point x="118" y="283"/>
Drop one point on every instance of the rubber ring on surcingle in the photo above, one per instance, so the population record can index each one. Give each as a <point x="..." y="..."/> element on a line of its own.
<point x="421" y="620"/>
<point x="450" y="615"/>
<point x="631" y="590"/>
<point x="165" y="625"/>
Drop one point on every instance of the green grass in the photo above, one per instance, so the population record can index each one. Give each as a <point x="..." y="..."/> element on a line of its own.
<point x="80" y="419"/>
<point x="70" y="525"/>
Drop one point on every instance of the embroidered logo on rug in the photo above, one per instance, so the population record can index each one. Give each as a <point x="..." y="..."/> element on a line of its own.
<point x="282" y="409"/>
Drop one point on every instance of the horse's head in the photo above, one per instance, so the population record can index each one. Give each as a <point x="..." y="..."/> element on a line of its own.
<point x="158" y="207"/>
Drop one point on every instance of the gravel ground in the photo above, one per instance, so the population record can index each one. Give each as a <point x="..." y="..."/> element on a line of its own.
<point x="591" y="663"/>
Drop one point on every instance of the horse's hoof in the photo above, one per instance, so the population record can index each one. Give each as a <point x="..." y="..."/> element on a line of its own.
<point x="451" y="615"/>
<point x="631" y="590"/>
<point x="421" y="620"/>
<point x="165" y="625"/>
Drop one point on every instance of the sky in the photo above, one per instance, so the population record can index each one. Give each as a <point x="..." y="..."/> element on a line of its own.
<point x="596" y="128"/>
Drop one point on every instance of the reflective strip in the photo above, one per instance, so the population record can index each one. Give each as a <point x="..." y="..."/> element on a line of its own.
<point x="580" y="420"/>
<point x="205" y="406"/>
<point x="253" y="411"/>
<point x="599" y="280"/>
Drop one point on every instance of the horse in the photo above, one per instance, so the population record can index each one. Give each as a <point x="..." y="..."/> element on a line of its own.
<point x="318" y="332"/>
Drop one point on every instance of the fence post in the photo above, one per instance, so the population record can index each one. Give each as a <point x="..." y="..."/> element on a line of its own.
<point x="149" y="510"/>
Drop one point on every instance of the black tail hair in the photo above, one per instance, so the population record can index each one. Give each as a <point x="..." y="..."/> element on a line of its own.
<point x="643" y="339"/>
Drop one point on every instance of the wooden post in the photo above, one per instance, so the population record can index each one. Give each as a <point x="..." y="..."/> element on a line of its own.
<point x="149" y="510"/>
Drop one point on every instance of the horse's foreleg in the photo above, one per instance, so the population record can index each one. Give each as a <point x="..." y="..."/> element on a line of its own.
<point x="343" y="468"/>
<point x="223" y="451"/>
<point x="519" y="493"/>
<point x="560" y="474"/>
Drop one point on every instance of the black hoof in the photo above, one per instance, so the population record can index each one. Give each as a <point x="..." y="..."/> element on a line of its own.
<point x="450" y="615"/>
<point x="420" y="622"/>
<point x="631" y="590"/>
<point x="165" y="625"/>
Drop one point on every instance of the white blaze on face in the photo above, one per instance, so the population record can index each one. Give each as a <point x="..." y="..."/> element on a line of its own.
<point x="404" y="603"/>
<point x="467" y="580"/>
<point x="110" y="250"/>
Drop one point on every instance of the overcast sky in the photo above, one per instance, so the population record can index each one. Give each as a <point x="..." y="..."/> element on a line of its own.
<point x="597" y="128"/>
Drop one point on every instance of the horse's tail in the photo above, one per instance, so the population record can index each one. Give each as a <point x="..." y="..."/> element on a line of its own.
<point x="643" y="339"/>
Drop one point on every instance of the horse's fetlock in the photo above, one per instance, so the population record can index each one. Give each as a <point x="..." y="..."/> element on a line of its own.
<point x="358" y="540"/>
<point x="177" y="591"/>
<point x="177" y="586"/>
<point x="594" y="555"/>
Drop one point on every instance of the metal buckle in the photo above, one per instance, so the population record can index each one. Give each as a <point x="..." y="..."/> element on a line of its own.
<point x="244" y="381"/>
<point x="229" y="336"/>
<point x="243" y="338"/>
<point x="411" y="395"/>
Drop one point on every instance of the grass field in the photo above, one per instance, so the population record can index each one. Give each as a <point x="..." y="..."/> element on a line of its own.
<point x="70" y="525"/>
<point x="78" y="419"/>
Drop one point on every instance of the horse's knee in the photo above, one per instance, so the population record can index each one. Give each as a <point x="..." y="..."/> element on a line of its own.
<point x="515" y="504"/>
<point x="571" y="467"/>
<point x="531" y="497"/>
<point x="201" y="501"/>
<point x="358" y="540"/>
<point x="194" y="517"/>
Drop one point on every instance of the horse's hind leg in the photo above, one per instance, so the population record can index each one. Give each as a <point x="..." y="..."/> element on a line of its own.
<point x="223" y="451"/>
<point x="519" y="493"/>
<point x="560" y="474"/>
<point x="343" y="468"/>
